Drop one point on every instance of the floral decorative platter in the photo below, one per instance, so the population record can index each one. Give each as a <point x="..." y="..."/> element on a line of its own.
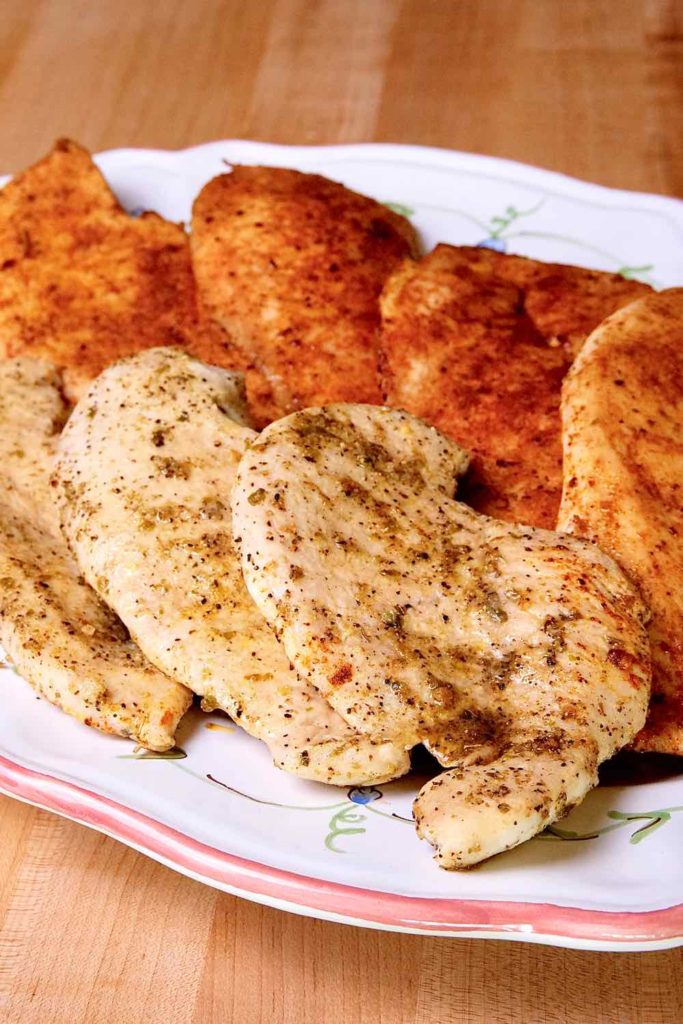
<point x="608" y="876"/>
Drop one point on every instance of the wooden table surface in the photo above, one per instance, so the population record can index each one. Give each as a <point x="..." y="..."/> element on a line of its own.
<point x="89" y="930"/>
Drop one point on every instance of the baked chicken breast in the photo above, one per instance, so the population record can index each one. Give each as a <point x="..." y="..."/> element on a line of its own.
<point x="58" y="634"/>
<point x="622" y="412"/>
<point x="518" y="656"/>
<point x="146" y="466"/>
<point x="565" y="303"/>
<point x="82" y="283"/>
<point x="477" y="343"/>
<point x="291" y="266"/>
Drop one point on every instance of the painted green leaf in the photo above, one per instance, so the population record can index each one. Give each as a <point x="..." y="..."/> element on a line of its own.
<point x="400" y="208"/>
<point x="175" y="754"/>
<point x="637" y="273"/>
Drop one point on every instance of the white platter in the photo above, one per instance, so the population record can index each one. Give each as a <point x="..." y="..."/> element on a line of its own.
<point x="222" y="813"/>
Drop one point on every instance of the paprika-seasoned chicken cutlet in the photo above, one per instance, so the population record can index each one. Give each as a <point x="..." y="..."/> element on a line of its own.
<point x="291" y="266"/>
<point x="57" y="632"/>
<point x="82" y="283"/>
<point x="623" y="448"/>
<point x="564" y="303"/>
<point x="477" y="343"/>
<point x="147" y="462"/>
<point x="518" y="656"/>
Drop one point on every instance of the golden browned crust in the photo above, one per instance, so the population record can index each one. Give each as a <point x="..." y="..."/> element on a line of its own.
<point x="477" y="343"/>
<point x="291" y="266"/>
<point x="82" y="283"/>
<point x="623" y="449"/>
<point x="565" y="303"/>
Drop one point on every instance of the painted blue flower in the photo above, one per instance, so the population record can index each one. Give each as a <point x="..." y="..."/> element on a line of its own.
<point x="364" y="794"/>
<point x="499" y="244"/>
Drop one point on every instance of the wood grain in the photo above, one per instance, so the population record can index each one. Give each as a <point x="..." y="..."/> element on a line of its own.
<point x="91" y="932"/>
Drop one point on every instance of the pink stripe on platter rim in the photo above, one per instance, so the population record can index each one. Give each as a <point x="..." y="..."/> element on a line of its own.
<point x="531" y="921"/>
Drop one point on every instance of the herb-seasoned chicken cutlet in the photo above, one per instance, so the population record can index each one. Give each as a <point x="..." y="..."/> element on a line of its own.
<point x="477" y="343"/>
<point x="291" y="266"/>
<point x="83" y="283"/>
<point x="146" y="466"/>
<point x="518" y="656"/>
<point x="57" y="632"/>
<point x="623" y="448"/>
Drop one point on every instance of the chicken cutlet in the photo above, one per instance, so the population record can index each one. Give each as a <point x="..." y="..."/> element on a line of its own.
<point x="146" y="465"/>
<point x="83" y="283"/>
<point x="477" y="343"/>
<point x="565" y="303"/>
<point x="291" y="266"/>
<point x="518" y="656"/>
<point x="622" y="410"/>
<point x="60" y="637"/>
